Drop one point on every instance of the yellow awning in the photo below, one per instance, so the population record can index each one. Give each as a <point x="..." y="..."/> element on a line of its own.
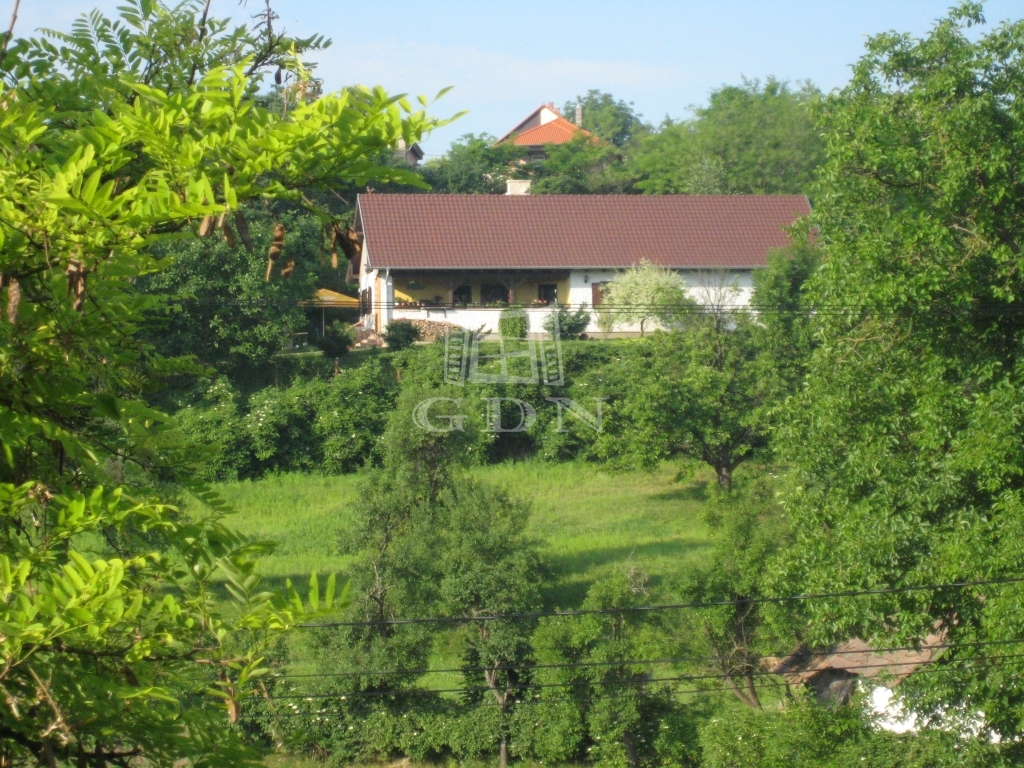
<point x="325" y="298"/>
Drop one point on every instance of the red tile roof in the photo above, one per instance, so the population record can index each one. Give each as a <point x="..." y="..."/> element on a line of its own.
<point x="423" y="231"/>
<point x="558" y="131"/>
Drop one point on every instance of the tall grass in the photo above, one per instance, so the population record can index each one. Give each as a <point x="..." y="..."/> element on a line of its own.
<point x="590" y="521"/>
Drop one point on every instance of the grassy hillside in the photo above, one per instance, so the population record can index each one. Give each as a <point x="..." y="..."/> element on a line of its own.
<point x="590" y="520"/>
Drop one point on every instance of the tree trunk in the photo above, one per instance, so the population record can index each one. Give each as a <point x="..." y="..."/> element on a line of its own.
<point x="753" y="703"/>
<point x="752" y="692"/>
<point x="724" y="478"/>
<point x="627" y="742"/>
<point x="503" y="753"/>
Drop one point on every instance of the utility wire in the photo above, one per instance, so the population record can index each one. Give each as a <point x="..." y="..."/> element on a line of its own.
<point x="772" y="686"/>
<point x="642" y="662"/>
<point x="637" y="681"/>
<point x="663" y="607"/>
<point x="608" y="308"/>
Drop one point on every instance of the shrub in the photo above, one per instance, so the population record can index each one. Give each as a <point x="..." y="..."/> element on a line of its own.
<point x="513" y="324"/>
<point x="336" y="341"/>
<point x="330" y="425"/>
<point x="401" y="334"/>
<point x="571" y="325"/>
<point x="213" y="427"/>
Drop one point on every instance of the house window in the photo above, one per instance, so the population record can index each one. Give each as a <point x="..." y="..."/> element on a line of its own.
<point x="548" y="292"/>
<point x="463" y="295"/>
<point x="596" y="293"/>
<point x="493" y="293"/>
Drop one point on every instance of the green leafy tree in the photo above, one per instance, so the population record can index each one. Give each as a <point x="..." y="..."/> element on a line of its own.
<point x="600" y="701"/>
<point x="475" y="165"/>
<point x="112" y="634"/>
<point x="615" y="122"/>
<point x="219" y="307"/>
<point x="111" y="627"/>
<point x="698" y="395"/>
<point x="583" y="166"/>
<point x="785" y="313"/>
<point x="806" y="735"/>
<point x="401" y="334"/>
<point x="644" y="294"/>
<point x="488" y="566"/>
<point x="906" y="438"/>
<point x="752" y="138"/>
<point x="749" y="530"/>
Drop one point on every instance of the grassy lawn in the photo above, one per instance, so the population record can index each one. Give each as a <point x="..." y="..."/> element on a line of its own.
<point x="590" y="521"/>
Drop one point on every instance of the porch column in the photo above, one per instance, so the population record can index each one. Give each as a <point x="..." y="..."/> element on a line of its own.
<point x="388" y="298"/>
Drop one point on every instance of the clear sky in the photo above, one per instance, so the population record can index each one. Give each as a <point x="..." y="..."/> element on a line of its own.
<point x="506" y="58"/>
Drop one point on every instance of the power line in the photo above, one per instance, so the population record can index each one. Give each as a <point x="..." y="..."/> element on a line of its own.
<point x="608" y="308"/>
<point x="643" y="662"/>
<point x="637" y="681"/>
<point x="663" y="607"/>
<point x="536" y="699"/>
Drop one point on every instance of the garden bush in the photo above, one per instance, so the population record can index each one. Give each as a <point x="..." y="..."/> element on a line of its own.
<point x="329" y="425"/>
<point x="513" y="323"/>
<point x="571" y="325"/>
<point x="336" y="341"/>
<point x="401" y="334"/>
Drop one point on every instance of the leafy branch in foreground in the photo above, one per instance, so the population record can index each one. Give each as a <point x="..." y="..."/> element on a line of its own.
<point x="115" y="633"/>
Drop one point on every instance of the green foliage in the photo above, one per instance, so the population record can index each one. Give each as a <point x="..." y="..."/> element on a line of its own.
<point x="701" y="394"/>
<point x="785" y="312"/>
<point x="99" y="60"/>
<point x="474" y="165"/>
<point x="804" y="735"/>
<point x="513" y="323"/>
<point x="582" y="166"/>
<point x="906" y="437"/>
<point x="336" y="340"/>
<point x="646" y="293"/>
<point x="114" y="641"/>
<point x="611" y="717"/>
<point x="122" y="640"/>
<point x="401" y="334"/>
<point x="427" y="538"/>
<point x="570" y="324"/>
<point x="329" y="425"/>
<point x="219" y="307"/>
<point x="612" y="121"/>
<point x="749" y="530"/>
<point x="751" y="139"/>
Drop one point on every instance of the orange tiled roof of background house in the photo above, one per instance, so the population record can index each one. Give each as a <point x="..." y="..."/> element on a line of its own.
<point x="558" y="131"/>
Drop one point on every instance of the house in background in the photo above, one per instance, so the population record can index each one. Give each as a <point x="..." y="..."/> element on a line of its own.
<point x="545" y="125"/>
<point x="459" y="259"/>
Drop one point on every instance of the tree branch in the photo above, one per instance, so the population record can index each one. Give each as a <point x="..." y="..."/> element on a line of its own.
<point x="10" y="30"/>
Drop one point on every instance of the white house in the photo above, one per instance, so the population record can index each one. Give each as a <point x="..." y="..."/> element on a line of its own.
<point x="460" y="259"/>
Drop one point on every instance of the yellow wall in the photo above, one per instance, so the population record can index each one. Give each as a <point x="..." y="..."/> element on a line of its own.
<point x="526" y="291"/>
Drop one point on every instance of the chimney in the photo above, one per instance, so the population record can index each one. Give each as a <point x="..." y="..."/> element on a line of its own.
<point x="518" y="187"/>
<point x="579" y="115"/>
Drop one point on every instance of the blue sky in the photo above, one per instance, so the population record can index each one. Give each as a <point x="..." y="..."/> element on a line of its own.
<point x="504" y="59"/>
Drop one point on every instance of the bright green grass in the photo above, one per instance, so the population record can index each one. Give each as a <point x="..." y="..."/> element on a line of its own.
<point x="305" y="515"/>
<point x="590" y="521"/>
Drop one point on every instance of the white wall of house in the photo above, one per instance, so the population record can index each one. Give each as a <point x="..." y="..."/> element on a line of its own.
<point x="722" y="288"/>
<point x="473" y="318"/>
<point x="382" y="285"/>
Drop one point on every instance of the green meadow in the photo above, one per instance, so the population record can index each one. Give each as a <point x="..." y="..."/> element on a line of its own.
<point x="589" y="521"/>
